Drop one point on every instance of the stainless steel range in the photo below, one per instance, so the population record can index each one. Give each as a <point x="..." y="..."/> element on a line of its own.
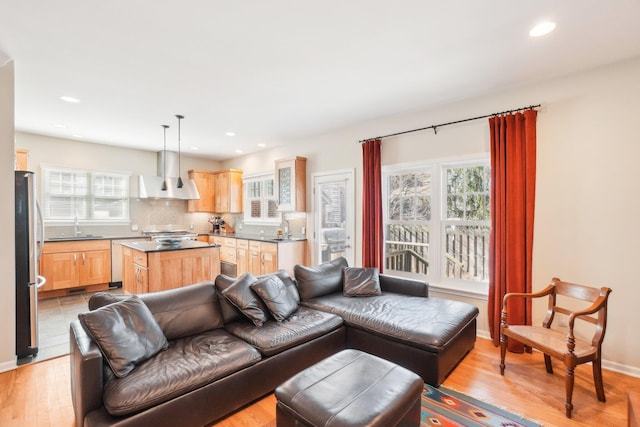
<point x="168" y="234"/>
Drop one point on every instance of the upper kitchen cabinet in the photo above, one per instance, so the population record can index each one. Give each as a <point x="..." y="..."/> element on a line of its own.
<point x="21" y="159"/>
<point x="227" y="193"/>
<point x="205" y="181"/>
<point x="291" y="179"/>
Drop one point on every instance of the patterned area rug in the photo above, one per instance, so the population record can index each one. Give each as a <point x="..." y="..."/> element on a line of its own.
<point x="444" y="407"/>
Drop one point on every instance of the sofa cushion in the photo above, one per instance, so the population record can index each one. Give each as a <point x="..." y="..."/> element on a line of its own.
<point x="180" y="312"/>
<point x="320" y="280"/>
<point x="188" y="363"/>
<point x="274" y="337"/>
<point x="230" y="312"/>
<point x="274" y="294"/>
<point x="245" y="300"/>
<point x="126" y="333"/>
<point x="361" y="282"/>
<point x="425" y="323"/>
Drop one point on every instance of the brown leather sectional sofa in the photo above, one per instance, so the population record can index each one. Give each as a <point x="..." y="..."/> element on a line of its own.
<point x="217" y="361"/>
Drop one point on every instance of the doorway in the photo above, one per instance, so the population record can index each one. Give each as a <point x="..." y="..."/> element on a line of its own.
<point x="333" y="207"/>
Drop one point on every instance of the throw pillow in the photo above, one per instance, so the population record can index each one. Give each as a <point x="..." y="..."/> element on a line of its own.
<point x="240" y="295"/>
<point x="274" y="294"/>
<point x="360" y="282"/>
<point x="126" y="332"/>
<point x="321" y="280"/>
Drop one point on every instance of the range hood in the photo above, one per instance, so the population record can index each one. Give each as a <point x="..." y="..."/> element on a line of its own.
<point x="149" y="187"/>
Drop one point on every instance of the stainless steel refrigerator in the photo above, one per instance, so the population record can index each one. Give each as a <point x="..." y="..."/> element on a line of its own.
<point x="29" y="241"/>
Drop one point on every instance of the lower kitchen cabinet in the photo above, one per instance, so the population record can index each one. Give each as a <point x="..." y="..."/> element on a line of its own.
<point x="242" y="256"/>
<point x="267" y="257"/>
<point x="75" y="266"/>
<point x="168" y="269"/>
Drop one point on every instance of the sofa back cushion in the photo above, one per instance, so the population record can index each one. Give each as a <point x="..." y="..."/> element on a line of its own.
<point x="320" y="280"/>
<point x="180" y="312"/>
<point x="231" y="313"/>
<point x="273" y="292"/>
<point x="361" y="282"/>
<point x="126" y="332"/>
<point x="240" y="294"/>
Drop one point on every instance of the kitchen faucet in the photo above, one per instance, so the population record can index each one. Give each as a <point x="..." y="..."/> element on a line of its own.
<point x="287" y="228"/>
<point x="76" y="227"/>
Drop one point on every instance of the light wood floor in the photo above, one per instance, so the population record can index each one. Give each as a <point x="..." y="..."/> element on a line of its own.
<point x="38" y="394"/>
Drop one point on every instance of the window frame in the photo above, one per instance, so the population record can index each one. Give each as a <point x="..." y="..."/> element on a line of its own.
<point x="264" y="199"/>
<point x="437" y="223"/>
<point x="89" y="197"/>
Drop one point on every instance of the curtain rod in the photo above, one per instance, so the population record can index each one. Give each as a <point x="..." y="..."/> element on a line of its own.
<point x="435" y="127"/>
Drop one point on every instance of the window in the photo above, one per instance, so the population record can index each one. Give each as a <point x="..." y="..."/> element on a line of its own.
<point x="437" y="223"/>
<point x="90" y="196"/>
<point x="261" y="204"/>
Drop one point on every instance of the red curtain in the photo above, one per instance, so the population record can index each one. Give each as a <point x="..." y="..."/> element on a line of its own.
<point x="372" y="228"/>
<point x="513" y="177"/>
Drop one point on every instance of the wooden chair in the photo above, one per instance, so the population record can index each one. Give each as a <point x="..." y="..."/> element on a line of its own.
<point x="561" y="345"/>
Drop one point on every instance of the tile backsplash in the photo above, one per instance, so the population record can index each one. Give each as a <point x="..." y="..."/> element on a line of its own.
<point x="147" y="213"/>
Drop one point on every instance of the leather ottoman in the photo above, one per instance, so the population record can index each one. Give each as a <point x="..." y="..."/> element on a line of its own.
<point x="350" y="388"/>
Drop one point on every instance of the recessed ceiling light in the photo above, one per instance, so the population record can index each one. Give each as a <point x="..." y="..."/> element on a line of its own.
<point x="239" y="151"/>
<point x="195" y="148"/>
<point x="262" y="145"/>
<point x="75" y="135"/>
<point x="69" y="99"/>
<point x="542" y="28"/>
<point x="60" y="125"/>
<point x="230" y="134"/>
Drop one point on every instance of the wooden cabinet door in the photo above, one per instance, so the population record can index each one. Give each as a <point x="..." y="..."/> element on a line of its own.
<point x="269" y="258"/>
<point x="255" y="262"/>
<point x="291" y="178"/>
<point x="174" y="269"/>
<point x="141" y="280"/>
<point x="234" y="200"/>
<point x="205" y="182"/>
<point x="222" y="192"/>
<point x="228" y="191"/>
<point x="95" y="267"/>
<point x="128" y="270"/>
<point x="242" y="261"/>
<point x="60" y="269"/>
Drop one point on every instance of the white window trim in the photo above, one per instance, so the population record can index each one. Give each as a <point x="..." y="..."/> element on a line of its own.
<point x="94" y="221"/>
<point x="459" y="287"/>
<point x="246" y="206"/>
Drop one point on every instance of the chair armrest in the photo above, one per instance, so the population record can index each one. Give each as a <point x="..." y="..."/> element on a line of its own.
<point x="86" y="372"/>
<point x="543" y="293"/>
<point x="597" y="305"/>
<point x="402" y="285"/>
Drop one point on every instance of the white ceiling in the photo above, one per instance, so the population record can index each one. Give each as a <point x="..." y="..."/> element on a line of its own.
<point x="277" y="71"/>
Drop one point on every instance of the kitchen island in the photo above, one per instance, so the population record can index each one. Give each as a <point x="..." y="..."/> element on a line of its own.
<point x="151" y="266"/>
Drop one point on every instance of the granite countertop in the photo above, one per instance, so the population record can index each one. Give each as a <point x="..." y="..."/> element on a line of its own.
<point x="94" y="237"/>
<point x="157" y="247"/>
<point x="259" y="237"/>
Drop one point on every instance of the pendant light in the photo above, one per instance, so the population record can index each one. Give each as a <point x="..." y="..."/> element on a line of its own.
<point x="164" y="160"/>
<point x="179" y="171"/>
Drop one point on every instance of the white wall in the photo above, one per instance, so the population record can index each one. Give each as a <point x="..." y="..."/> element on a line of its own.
<point x="586" y="201"/>
<point x="72" y="153"/>
<point x="7" y="219"/>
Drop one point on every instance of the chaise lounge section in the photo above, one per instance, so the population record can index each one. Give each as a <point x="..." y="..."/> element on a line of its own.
<point x="400" y="323"/>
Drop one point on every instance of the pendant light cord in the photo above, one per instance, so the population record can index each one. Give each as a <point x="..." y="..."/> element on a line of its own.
<point x="180" y="184"/>
<point x="164" y="160"/>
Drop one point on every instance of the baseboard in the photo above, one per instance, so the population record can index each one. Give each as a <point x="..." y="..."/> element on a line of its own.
<point x="632" y="371"/>
<point x="7" y="366"/>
